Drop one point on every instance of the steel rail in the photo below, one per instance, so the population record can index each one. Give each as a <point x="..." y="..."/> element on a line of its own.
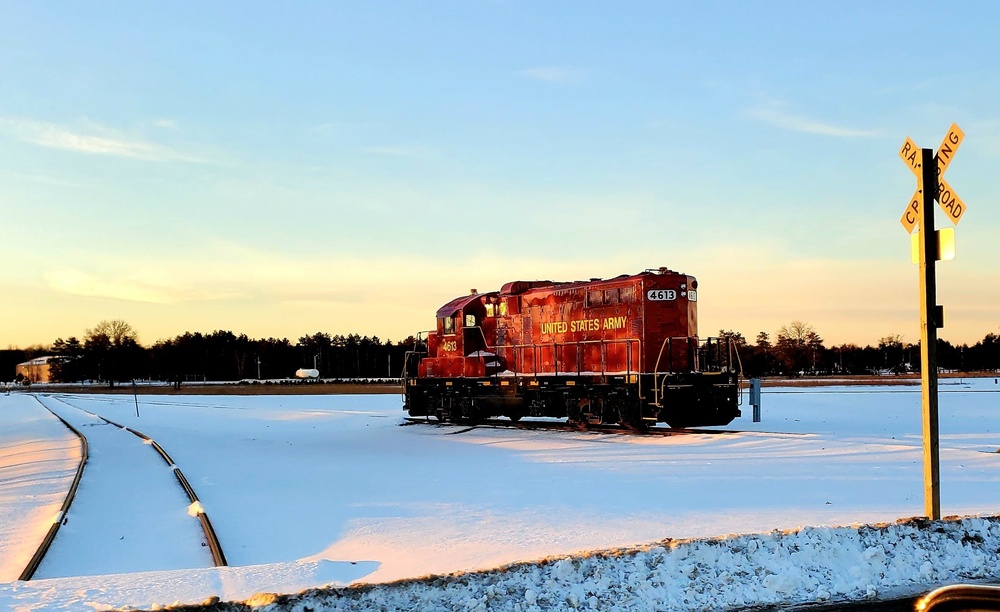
<point x="50" y="535"/>
<point x="218" y="556"/>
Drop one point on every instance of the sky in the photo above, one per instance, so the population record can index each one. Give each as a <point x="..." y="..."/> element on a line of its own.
<point x="280" y="169"/>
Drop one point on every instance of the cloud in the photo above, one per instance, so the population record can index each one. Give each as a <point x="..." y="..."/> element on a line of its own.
<point x="54" y="136"/>
<point x="331" y="126"/>
<point x="775" y="115"/>
<point x="246" y="274"/>
<point x="241" y="273"/>
<point x="553" y="74"/>
<point x="129" y="289"/>
<point x="166" y="124"/>
<point x="398" y="151"/>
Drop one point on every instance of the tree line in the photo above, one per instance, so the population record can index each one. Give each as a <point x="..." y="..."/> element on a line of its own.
<point x="111" y="352"/>
<point x="798" y="350"/>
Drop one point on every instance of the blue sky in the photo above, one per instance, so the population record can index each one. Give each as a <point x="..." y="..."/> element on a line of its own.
<point x="284" y="168"/>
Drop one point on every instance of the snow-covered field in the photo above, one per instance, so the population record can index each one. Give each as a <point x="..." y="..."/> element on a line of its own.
<point x="312" y="490"/>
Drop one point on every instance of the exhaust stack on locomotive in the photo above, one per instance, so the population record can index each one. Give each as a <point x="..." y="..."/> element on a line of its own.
<point x="622" y="350"/>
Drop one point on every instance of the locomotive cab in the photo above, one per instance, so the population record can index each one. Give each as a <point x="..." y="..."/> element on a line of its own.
<point x="458" y="346"/>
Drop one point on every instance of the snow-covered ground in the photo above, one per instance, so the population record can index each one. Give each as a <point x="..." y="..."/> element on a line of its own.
<point x="38" y="458"/>
<point x="311" y="490"/>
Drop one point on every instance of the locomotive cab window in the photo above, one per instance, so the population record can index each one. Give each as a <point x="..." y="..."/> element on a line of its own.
<point x="470" y="320"/>
<point x="448" y="325"/>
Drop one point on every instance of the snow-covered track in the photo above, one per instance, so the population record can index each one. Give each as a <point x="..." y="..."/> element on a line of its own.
<point x="50" y="535"/>
<point x="206" y="525"/>
<point x="195" y="509"/>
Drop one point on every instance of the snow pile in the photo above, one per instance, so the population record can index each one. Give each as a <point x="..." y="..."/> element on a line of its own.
<point x="814" y="564"/>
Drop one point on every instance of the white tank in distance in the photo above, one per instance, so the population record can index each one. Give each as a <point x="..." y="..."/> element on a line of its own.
<point x="304" y="373"/>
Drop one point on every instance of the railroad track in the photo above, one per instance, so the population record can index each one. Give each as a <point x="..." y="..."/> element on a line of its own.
<point x="50" y="535"/>
<point x="578" y="427"/>
<point x="195" y="508"/>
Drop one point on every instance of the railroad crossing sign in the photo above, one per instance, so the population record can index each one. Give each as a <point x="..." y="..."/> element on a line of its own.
<point x="929" y="170"/>
<point x="948" y="200"/>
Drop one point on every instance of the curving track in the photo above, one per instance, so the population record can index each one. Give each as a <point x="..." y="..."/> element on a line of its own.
<point x="36" y="559"/>
<point x="125" y="509"/>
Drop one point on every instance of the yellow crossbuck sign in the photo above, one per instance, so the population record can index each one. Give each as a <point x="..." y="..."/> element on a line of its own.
<point x="948" y="200"/>
<point x="931" y="246"/>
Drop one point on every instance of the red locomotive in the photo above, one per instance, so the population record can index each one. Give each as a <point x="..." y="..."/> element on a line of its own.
<point x="621" y="350"/>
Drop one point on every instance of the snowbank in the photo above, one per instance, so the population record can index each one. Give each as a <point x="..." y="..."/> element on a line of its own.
<point x="814" y="564"/>
<point x="344" y="494"/>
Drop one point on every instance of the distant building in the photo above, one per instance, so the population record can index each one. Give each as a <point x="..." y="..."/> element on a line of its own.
<point x="36" y="370"/>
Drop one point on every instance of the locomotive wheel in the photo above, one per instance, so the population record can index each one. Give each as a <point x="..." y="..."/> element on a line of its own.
<point x="577" y="411"/>
<point x="629" y="415"/>
<point x="638" y="424"/>
<point x="441" y="414"/>
<point x="514" y="412"/>
<point x="444" y="409"/>
<point x="466" y="411"/>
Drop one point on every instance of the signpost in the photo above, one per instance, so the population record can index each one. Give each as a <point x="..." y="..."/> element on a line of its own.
<point x="919" y="212"/>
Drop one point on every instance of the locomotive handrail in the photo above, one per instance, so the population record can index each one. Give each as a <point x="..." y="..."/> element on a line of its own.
<point x="519" y="349"/>
<point x="405" y="378"/>
<point x="668" y="344"/>
<point x="656" y="368"/>
<point x="733" y="349"/>
<point x="668" y="341"/>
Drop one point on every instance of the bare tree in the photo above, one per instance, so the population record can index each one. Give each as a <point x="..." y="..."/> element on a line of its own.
<point x="116" y="331"/>
<point x="733" y="336"/>
<point x="893" y="356"/>
<point x="112" y="350"/>
<point x="799" y="334"/>
<point x="890" y="340"/>
<point x="798" y="344"/>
